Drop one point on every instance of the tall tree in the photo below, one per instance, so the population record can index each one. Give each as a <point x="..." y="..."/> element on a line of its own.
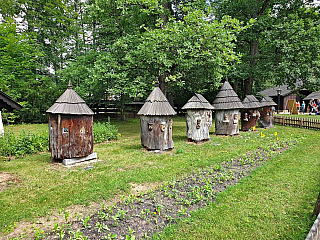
<point x="261" y="57"/>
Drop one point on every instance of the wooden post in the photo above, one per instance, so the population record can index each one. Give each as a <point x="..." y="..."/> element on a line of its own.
<point x="283" y="121"/>
<point x="301" y="122"/>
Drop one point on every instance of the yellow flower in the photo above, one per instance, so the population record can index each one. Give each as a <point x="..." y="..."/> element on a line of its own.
<point x="275" y="133"/>
<point x="155" y="213"/>
<point x="252" y="140"/>
<point x="253" y="128"/>
<point x="262" y="135"/>
<point x="277" y="139"/>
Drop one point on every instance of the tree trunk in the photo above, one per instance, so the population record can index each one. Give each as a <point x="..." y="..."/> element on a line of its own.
<point x="163" y="84"/>
<point x="316" y="210"/>
<point x="254" y="50"/>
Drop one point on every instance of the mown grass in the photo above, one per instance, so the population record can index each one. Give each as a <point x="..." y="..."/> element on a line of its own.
<point x="45" y="187"/>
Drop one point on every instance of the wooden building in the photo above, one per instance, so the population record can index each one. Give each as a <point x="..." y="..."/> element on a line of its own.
<point x="250" y="113"/>
<point x="266" y="112"/>
<point x="156" y="122"/>
<point x="286" y="94"/>
<point x="198" y="118"/>
<point x="227" y="106"/>
<point x="71" y="129"/>
<point x="8" y="103"/>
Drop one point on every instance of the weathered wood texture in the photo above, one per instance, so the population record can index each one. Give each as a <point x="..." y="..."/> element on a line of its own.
<point x="249" y="118"/>
<point x="266" y="117"/>
<point x="70" y="136"/>
<point x="198" y="124"/>
<point x="227" y="122"/>
<point x="156" y="132"/>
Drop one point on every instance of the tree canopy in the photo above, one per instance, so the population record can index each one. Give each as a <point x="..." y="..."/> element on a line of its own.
<point x="119" y="48"/>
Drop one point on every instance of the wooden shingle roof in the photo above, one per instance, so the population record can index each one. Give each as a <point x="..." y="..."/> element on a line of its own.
<point x="227" y="98"/>
<point x="70" y="103"/>
<point x="314" y="95"/>
<point x="157" y="105"/>
<point x="267" y="102"/>
<point x="198" y="102"/>
<point x="250" y="102"/>
<point x="8" y="103"/>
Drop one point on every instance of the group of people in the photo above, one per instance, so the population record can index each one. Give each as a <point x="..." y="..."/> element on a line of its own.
<point x="312" y="107"/>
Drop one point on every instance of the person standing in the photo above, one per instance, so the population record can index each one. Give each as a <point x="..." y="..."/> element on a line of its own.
<point x="298" y="106"/>
<point x="303" y="106"/>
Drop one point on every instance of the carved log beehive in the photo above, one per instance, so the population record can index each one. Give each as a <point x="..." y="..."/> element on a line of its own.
<point x="156" y="122"/>
<point x="250" y="113"/>
<point x="266" y="112"/>
<point x="70" y="127"/>
<point x="227" y="105"/>
<point x="198" y="118"/>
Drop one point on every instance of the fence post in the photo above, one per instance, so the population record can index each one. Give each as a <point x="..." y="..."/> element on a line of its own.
<point x="283" y="121"/>
<point x="301" y="122"/>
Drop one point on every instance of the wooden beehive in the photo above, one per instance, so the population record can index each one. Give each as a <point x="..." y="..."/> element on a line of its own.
<point x="70" y="127"/>
<point x="198" y="118"/>
<point x="156" y="122"/>
<point x="266" y="112"/>
<point x="227" y="105"/>
<point x="250" y="113"/>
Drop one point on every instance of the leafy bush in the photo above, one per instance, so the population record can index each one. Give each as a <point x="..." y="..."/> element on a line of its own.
<point x="104" y="131"/>
<point x="30" y="143"/>
<point x="25" y="143"/>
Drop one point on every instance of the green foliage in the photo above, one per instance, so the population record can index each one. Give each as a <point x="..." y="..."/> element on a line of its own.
<point x="274" y="47"/>
<point x="25" y="143"/>
<point x="104" y="131"/>
<point x="28" y="142"/>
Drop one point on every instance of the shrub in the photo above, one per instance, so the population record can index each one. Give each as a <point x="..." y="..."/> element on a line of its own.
<point x="25" y="143"/>
<point x="104" y="131"/>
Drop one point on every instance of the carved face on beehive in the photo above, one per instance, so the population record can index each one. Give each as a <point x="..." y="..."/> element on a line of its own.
<point x="163" y="126"/>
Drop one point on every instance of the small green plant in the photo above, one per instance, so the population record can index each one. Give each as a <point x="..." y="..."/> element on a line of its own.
<point x="111" y="236"/>
<point x="66" y="215"/>
<point x="85" y="222"/>
<point x="104" y="132"/>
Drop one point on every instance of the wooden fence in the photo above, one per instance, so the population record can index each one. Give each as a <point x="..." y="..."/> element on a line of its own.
<point x="298" y="122"/>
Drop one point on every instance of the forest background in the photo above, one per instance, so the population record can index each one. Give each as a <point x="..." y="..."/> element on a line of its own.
<point x="119" y="48"/>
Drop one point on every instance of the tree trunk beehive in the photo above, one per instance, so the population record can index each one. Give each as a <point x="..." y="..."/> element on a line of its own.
<point x="266" y="117"/>
<point x="70" y="128"/>
<point x="156" y="132"/>
<point x="198" y="124"/>
<point x="70" y="136"/>
<point x="249" y="118"/>
<point x="227" y="106"/>
<point x="156" y="122"/>
<point x="227" y="122"/>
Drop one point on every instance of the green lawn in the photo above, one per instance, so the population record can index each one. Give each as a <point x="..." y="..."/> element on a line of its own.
<point x="281" y="193"/>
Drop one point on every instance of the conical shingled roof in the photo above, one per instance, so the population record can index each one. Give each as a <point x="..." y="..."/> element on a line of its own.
<point x="267" y="102"/>
<point x="70" y="103"/>
<point x="157" y="105"/>
<point x="250" y="102"/>
<point x="198" y="102"/>
<point x="227" y="98"/>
